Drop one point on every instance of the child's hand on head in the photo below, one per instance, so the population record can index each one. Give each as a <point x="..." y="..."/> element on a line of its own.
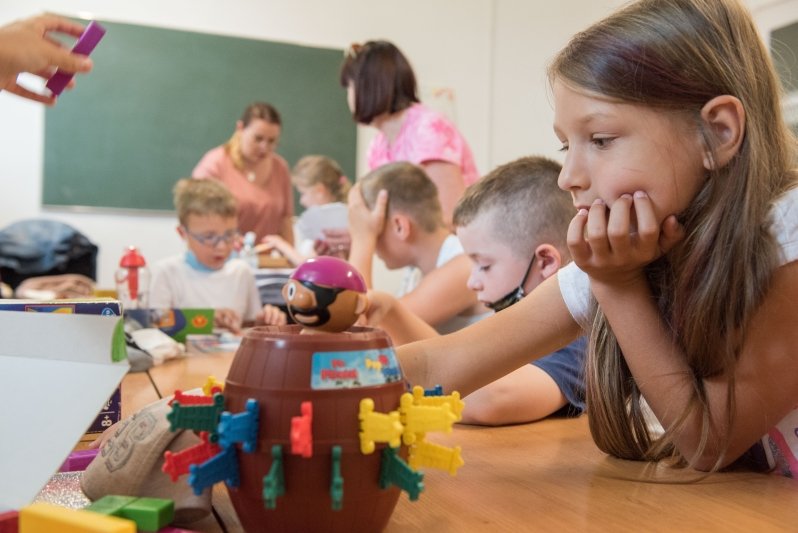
<point x="227" y="319"/>
<point x="271" y="315"/>
<point x="613" y="245"/>
<point x="365" y="223"/>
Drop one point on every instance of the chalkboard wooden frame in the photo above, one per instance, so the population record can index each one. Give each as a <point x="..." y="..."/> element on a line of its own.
<point x="158" y="99"/>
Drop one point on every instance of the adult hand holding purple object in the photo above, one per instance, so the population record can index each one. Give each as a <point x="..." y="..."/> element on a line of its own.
<point x="27" y="46"/>
<point x="84" y="46"/>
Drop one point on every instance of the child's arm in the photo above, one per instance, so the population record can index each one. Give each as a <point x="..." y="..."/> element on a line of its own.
<point x="483" y="352"/>
<point x="765" y="380"/>
<point x="365" y="227"/>
<point x="402" y="325"/>
<point x="275" y="242"/>
<point x="524" y="395"/>
<point x="443" y="294"/>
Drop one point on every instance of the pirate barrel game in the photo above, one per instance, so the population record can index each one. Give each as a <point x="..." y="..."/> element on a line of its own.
<point x="319" y="432"/>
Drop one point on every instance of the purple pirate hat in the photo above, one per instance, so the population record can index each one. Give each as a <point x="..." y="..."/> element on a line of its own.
<point x="328" y="271"/>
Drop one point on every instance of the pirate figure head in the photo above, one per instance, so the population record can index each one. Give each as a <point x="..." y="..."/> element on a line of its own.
<point x="325" y="293"/>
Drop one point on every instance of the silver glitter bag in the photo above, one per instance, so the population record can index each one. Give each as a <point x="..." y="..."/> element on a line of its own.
<point x="130" y="461"/>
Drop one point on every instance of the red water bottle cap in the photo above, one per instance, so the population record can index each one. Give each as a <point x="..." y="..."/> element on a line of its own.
<point x="132" y="258"/>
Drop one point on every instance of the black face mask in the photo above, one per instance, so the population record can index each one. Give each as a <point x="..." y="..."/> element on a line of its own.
<point x="515" y="295"/>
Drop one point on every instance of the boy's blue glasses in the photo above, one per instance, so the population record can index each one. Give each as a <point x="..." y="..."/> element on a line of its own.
<point x="213" y="240"/>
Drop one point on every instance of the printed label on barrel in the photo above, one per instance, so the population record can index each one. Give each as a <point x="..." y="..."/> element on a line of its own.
<point x="353" y="369"/>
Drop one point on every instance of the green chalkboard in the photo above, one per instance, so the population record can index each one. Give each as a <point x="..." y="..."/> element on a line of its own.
<point x="158" y="99"/>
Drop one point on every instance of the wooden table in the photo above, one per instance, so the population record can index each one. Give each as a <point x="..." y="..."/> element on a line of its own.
<point x="546" y="476"/>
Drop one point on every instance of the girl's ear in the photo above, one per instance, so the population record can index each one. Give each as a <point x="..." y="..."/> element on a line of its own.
<point x="239" y="125"/>
<point x="725" y="116"/>
<point x="181" y="231"/>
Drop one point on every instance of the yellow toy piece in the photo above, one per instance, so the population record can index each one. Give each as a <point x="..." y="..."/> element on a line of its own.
<point x="452" y="399"/>
<point x="418" y="419"/>
<point x="425" y="453"/>
<point x="378" y="427"/>
<point x="48" y="518"/>
<point x="211" y="384"/>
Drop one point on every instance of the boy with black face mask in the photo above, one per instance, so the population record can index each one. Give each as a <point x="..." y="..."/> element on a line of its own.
<point x="512" y="225"/>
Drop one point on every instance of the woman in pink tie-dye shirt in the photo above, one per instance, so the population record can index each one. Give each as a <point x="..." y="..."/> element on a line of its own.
<point x="381" y="92"/>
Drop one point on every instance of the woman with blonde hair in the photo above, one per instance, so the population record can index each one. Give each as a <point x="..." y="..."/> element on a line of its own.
<point x="256" y="175"/>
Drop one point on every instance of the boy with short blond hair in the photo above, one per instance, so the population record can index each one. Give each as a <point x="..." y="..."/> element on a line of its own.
<point x="205" y="275"/>
<point x="203" y="198"/>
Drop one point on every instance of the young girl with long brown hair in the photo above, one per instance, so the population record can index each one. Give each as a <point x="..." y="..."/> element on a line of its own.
<point x="685" y="243"/>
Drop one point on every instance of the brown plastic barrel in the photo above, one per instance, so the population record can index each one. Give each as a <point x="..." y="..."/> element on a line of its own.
<point x="273" y="366"/>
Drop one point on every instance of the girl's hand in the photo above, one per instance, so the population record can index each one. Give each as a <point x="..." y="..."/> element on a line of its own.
<point x="614" y="249"/>
<point x="273" y="242"/>
<point x="366" y="225"/>
<point x="227" y="319"/>
<point x="336" y="242"/>
<point x="271" y="315"/>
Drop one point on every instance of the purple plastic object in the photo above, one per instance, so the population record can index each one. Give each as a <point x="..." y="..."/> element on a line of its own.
<point x="85" y="44"/>
<point x="329" y="271"/>
<point x="78" y="461"/>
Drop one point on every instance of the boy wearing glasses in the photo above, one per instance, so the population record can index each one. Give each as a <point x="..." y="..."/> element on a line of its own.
<point x="512" y="225"/>
<point x="205" y="275"/>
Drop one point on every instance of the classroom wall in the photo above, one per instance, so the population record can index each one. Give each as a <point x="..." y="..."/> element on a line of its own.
<point x="491" y="53"/>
